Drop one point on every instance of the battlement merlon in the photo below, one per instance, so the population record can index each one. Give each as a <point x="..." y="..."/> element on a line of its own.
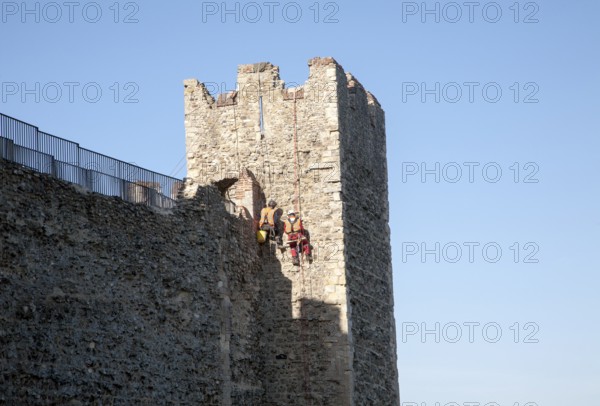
<point x="264" y="73"/>
<point x="196" y="96"/>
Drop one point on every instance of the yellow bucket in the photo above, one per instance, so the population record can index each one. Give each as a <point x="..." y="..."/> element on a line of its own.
<point x="261" y="236"/>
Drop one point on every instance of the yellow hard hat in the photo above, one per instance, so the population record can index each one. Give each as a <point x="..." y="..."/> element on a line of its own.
<point x="261" y="236"/>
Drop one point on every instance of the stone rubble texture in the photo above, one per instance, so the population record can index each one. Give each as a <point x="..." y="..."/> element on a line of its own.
<point x="112" y="303"/>
<point x="332" y="320"/>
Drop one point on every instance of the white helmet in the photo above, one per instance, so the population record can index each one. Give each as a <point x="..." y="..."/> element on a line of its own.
<point x="291" y="212"/>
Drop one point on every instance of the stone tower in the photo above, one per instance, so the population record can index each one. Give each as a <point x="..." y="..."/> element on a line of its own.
<point x="327" y="327"/>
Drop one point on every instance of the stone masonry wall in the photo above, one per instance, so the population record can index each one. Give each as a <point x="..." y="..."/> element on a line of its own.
<point x="317" y="345"/>
<point x="368" y="249"/>
<point x="106" y="302"/>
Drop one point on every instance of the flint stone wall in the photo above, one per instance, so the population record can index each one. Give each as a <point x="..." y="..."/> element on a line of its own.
<point x="111" y="303"/>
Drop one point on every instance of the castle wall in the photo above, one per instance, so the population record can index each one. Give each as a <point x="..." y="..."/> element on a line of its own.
<point x="319" y="347"/>
<point x="108" y="302"/>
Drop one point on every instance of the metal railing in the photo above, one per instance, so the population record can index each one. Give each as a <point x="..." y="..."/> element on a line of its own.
<point x="23" y="143"/>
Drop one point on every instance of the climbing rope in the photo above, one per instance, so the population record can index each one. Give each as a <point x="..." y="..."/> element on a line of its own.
<point x="304" y="327"/>
<point x="264" y="148"/>
<point x="237" y="140"/>
<point x="296" y="175"/>
<point x="261" y="122"/>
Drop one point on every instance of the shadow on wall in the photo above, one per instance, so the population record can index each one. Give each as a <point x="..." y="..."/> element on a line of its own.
<point x="300" y="360"/>
<point x="303" y="354"/>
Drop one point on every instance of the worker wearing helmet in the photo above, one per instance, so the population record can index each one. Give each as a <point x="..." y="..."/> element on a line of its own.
<point x="295" y="235"/>
<point x="269" y="221"/>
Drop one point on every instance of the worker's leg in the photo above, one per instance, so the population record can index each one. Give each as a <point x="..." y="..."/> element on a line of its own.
<point x="306" y="248"/>
<point x="278" y="234"/>
<point x="293" y="245"/>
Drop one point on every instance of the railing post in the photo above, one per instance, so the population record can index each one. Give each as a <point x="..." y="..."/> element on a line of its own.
<point x="53" y="167"/>
<point x="125" y="190"/>
<point x="8" y="150"/>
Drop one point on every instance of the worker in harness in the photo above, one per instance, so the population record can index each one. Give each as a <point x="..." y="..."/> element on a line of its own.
<point x="269" y="221"/>
<point x="296" y="238"/>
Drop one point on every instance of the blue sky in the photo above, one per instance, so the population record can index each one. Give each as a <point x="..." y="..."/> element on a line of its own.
<point x="549" y="128"/>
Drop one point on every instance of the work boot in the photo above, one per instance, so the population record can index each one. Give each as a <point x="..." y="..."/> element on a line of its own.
<point x="309" y="258"/>
<point x="279" y="241"/>
<point x="295" y="261"/>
